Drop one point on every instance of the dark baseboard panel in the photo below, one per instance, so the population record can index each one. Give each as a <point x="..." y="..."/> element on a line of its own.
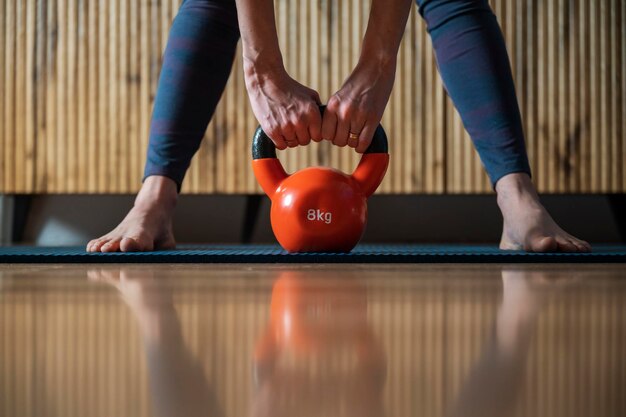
<point x="74" y="219"/>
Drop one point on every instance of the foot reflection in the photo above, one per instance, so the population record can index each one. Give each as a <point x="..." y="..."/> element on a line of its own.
<point x="495" y="381"/>
<point x="178" y="384"/>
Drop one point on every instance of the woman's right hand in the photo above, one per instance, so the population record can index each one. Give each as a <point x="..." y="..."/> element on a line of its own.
<point x="287" y="110"/>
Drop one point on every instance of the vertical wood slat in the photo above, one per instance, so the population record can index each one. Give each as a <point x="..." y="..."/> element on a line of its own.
<point x="9" y="93"/>
<point x="78" y="79"/>
<point x="4" y="144"/>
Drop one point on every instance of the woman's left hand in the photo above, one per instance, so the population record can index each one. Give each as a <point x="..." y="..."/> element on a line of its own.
<point x="354" y="112"/>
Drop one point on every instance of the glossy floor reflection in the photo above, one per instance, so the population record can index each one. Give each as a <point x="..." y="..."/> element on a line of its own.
<point x="262" y="340"/>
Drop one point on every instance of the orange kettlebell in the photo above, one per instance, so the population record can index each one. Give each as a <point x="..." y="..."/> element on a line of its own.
<point x="319" y="209"/>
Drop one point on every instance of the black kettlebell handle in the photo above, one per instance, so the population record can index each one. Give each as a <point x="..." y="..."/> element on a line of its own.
<point x="263" y="147"/>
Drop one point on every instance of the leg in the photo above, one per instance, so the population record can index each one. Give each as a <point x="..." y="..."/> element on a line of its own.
<point x="475" y="69"/>
<point x="196" y="65"/>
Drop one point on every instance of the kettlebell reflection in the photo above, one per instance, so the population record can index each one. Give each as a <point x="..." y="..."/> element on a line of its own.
<point x="318" y="355"/>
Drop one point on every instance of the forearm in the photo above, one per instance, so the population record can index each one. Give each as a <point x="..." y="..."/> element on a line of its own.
<point x="354" y="112"/>
<point x="287" y="110"/>
<point x="257" y="25"/>
<point x="385" y="29"/>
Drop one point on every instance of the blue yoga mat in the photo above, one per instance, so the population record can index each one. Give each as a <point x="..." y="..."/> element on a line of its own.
<point x="274" y="254"/>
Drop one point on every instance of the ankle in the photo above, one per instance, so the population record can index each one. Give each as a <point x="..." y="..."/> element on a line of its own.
<point x="157" y="190"/>
<point x="516" y="187"/>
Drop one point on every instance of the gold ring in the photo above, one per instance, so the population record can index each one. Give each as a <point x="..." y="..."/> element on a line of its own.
<point x="353" y="136"/>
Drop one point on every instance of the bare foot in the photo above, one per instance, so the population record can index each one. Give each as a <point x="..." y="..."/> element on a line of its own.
<point x="527" y="224"/>
<point x="148" y="225"/>
<point x="141" y="289"/>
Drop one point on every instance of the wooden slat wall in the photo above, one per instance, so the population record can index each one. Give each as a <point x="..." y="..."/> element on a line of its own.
<point x="69" y="337"/>
<point x="78" y="78"/>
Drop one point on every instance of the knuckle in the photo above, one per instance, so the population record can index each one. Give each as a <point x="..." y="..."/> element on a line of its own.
<point x="287" y="127"/>
<point x="345" y="112"/>
<point x="313" y="114"/>
<point x="300" y="123"/>
<point x="333" y="103"/>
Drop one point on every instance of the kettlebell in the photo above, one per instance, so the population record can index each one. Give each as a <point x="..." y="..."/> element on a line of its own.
<point x="319" y="209"/>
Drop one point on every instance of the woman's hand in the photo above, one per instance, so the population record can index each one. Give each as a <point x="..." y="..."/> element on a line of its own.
<point x="354" y="112"/>
<point x="287" y="110"/>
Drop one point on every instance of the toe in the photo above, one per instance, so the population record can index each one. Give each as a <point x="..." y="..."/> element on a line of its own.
<point x="566" y="246"/>
<point x="97" y="245"/>
<point x="129" y="245"/>
<point x="112" y="245"/>
<point x="581" y="245"/>
<point x="543" y="244"/>
<point x="135" y="244"/>
<point x="91" y="246"/>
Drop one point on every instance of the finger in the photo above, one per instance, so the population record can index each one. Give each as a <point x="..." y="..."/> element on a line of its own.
<point x="365" y="138"/>
<point x="341" y="135"/>
<point x="329" y="125"/>
<point x="315" y="125"/>
<point x="279" y="141"/>
<point x="289" y="133"/>
<point x="275" y="134"/>
<point x="356" y="126"/>
<point x="302" y="134"/>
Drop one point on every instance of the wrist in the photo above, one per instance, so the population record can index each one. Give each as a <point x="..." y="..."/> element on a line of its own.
<point x="260" y="61"/>
<point x="378" y="58"/>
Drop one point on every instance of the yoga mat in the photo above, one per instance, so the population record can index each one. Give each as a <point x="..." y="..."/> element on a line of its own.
<point x="274" y="254"/>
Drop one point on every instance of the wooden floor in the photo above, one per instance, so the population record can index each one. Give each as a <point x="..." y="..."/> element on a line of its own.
<point x="313" y="340"/>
